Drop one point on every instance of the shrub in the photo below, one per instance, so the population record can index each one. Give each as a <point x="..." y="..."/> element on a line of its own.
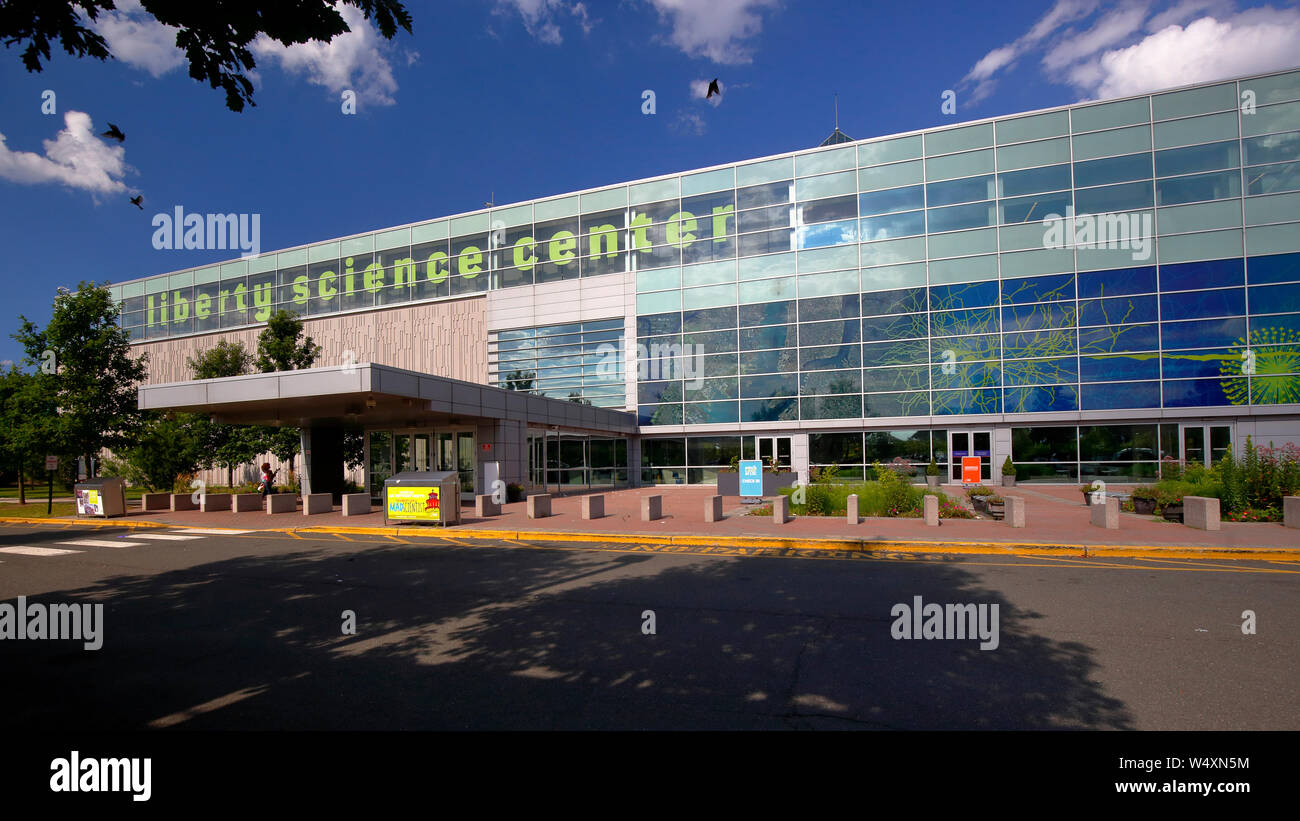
<point x="824" y="474"/>
<point x="876" y="498"/>
<point x="1144" y="492"/>
<point x="1091" y="487"/>
<point x="1008" y="469"/>
<point x="978" y="490"/>
<point x="514" y="492"/>
<point x="1171" y="468"/>
<point x="994" y="499"/>
<point x="932" y="469"/>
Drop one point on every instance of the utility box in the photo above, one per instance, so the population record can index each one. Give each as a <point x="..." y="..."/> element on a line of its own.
<point x="423" y="497"/>
<point x="103" y="496"/>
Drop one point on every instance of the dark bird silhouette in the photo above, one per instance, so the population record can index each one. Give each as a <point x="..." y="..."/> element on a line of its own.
<point x="114" y="132"/>
<point x="137" y="200"/>
<point x="713" y="89"/>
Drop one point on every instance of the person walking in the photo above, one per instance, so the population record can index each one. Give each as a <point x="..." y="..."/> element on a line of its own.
<point x="268" y="480"/>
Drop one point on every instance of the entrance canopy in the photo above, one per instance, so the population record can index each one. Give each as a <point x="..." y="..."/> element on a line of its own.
<point x="373" y="396"/>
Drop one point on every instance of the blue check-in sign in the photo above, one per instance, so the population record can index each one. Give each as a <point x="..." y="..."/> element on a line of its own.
<point x="751" y="478"/>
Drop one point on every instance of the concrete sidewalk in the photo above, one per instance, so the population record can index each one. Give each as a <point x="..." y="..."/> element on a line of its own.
<point x="1054" y="515"/>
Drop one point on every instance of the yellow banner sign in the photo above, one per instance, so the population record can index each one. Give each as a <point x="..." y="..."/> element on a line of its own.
<point x="417" y="503"/>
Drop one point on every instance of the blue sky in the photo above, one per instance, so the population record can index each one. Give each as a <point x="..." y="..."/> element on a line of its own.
<point x="516" y="99"/>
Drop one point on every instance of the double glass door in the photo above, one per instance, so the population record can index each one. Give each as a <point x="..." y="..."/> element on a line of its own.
<point x="774" y="449"/>
<point x="1206" y="444"/>
<point x="436" y="450"/>
<point x="963" y="443"/>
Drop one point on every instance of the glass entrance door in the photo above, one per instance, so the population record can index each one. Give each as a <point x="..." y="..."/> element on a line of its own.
<point x="1206" y="444"/>
<point x="971" y="443"/>
<point x="773" y="449"/>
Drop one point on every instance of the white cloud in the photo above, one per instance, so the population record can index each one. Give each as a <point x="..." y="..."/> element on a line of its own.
<point x="715" y="29"/>
<point x="139" y="40"/>
<point x="1207" y="49"/>
<point x="352" y="60"/>
<point x="690" y="123"/>
<point x="76" y="157"/>
<point x="1131" y="48"/>
<point x="1110" y="30"/>
<point x="983" y="74"/>
<point x="542" y="18"/>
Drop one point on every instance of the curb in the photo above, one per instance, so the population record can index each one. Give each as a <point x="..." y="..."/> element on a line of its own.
<point x="854" y="545"/>
<point x="761" y="542"/>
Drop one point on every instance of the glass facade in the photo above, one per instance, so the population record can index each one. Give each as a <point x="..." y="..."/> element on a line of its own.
<point x="1126" y="255"/>
<point x="581" y="361"/>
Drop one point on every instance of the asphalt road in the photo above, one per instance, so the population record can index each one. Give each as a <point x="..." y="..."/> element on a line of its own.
<point x="245" y="632"/>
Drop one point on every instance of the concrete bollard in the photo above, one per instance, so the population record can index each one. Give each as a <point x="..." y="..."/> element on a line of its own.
<point x="1015" y="511"/>
<point x="1201" y="512"/>
<point x="931" y="510"/>
<point x="1105" y="514"/>
<point x="183" y="501"/>
<point x="485" y="506"/>
<point x="713" y="509"/>
<point x="781" y="509"/>
<point x="315" y="503"/>
<point x="652" y="507"/>
<point x="244" y="502"/>
<point x="851" y="510"/>
<point x="209" y="502"/>
<point x="356" y="504"/>
<point x="539" y="505"/>
<point x="1291" y="511"/>
<point x="156" y="501"/>
<point x="593" y="506"/>
<point x="281" y="503"/>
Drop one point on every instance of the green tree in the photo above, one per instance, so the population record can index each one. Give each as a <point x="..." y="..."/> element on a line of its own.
<point x="25" y="434"/>
<point x="283" y="444"/>
<point x="214" y="36"/>
<point x="84" y="367"/>
<point x="279" y="348"/>
<point x="228" y="446"/>
<point x="223" y="359"/>
<point x="167" y="447"/>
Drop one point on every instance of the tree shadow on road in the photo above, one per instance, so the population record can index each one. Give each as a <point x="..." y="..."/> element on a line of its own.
<point x="518" y="638"/>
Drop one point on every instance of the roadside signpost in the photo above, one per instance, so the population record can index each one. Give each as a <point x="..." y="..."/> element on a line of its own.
<point x="51" y="465"/>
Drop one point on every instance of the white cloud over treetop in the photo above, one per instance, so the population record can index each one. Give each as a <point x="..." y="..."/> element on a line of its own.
<point x="76" y="157"/>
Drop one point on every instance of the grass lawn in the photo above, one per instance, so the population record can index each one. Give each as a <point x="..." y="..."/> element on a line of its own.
<point x="40" y="492"/>
<point x="34" y="510"/>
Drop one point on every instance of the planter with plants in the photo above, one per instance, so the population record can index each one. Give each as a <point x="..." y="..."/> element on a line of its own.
<point x="1008" y="473"/>
<point x="932" y="474"/>
<point x="1088" y="490"/>
<point x="994" y="505"/>
<point x="773" y="480"/>
<point x="1144" y="500"/>
<point x="1171" y="506"/>
<point x="979" y="496"/>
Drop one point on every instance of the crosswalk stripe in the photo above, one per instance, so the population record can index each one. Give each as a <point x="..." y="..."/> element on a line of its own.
<point x="164" y="537"/>
<point x="212" y="531"/>
<point x="102" y="543"/>
<point x="24" y="550"/>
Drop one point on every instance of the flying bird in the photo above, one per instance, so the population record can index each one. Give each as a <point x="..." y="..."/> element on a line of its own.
<point x="137" y="200"/>
<point x="713" y="89"/>
<point x="114" y="133"/>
